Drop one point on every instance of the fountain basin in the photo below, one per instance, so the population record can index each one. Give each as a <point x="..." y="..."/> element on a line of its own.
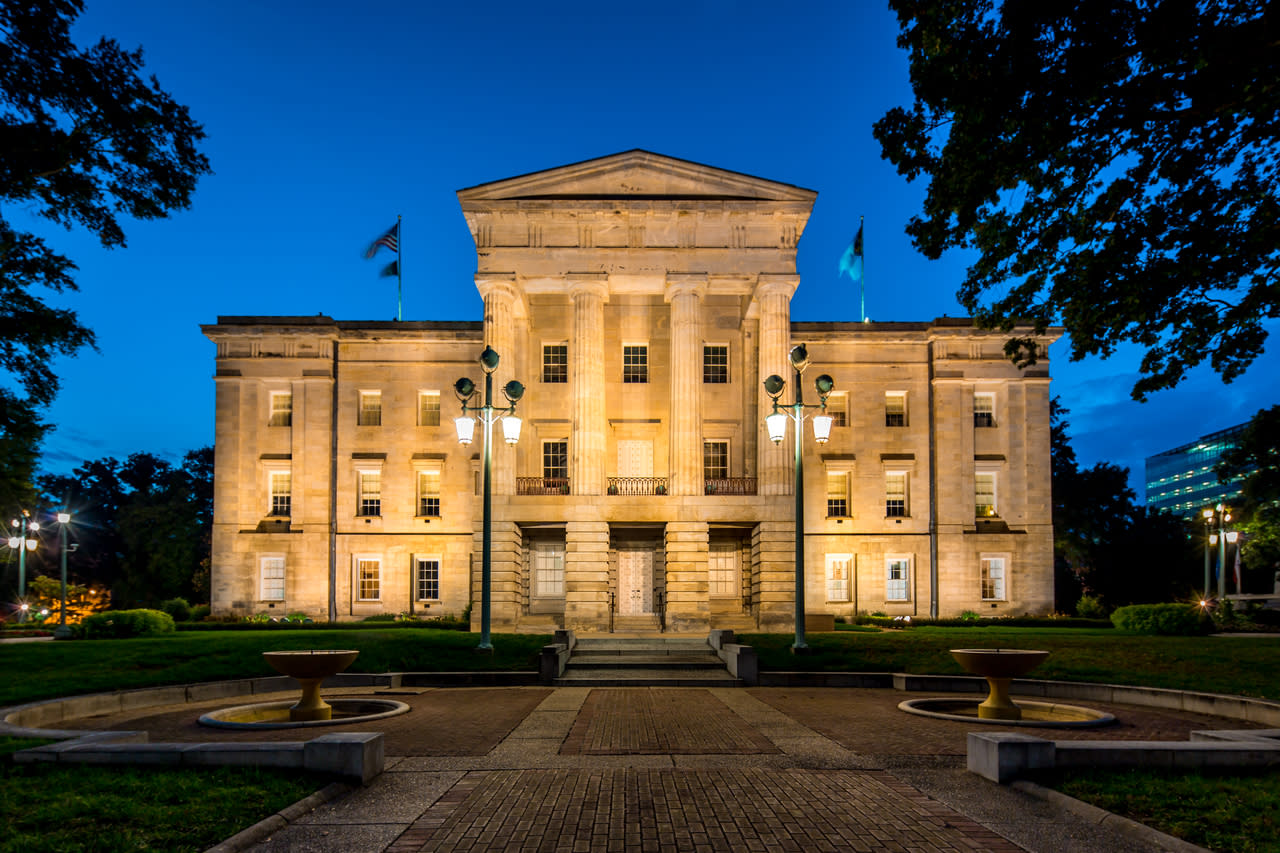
<point x="999" y="667"/>
<point x="277" y="715"/>
<point x="1040" y="714"/>
<point x="310" y="667"/>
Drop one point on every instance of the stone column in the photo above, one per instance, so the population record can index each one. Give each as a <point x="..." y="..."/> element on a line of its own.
<point x="501" y="305"/>
<point x="586" y="576"/>
<point x="506" y="565"/>
<point x="688" y="607"/>
<point x="588" y="292"/>
<point x="776" y="463"/>
<point x="774" y="560"/>
<point x="684" y="292"/>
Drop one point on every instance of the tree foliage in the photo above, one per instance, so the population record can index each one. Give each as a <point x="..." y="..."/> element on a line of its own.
<point x="1255" y="459"/>
<point x="144" y="526"/>
<point x="1114" y="162"/>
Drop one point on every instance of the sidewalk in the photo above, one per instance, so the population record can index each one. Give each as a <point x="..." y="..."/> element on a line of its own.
<point x="659" y="769"/>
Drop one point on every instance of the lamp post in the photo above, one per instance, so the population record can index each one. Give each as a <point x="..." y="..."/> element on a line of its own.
<point x="62" y="632"/>
<point x="1208" y="533"/>
<point x="24" y="525"/>
<point x="777" y="424"/>
<point x="465" y="389"/>
<point x="1224" y="515"/>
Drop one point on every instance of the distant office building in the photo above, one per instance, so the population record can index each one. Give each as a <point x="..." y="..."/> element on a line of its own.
<point x="1183" y="481"/>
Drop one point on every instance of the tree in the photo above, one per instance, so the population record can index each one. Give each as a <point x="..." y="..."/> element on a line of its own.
<point x="84" y="140"/>
<point x="1115" y="163"/>
<point x="1255" y="460"/>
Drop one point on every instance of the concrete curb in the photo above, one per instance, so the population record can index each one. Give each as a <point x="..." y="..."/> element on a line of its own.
<point x="246" y="838"/>
<point x="1131" y="828"/>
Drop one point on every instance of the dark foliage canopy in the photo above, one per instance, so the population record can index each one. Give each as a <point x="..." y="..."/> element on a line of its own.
<point x="1116" y="163"/>
<point x="1255" y="460"/>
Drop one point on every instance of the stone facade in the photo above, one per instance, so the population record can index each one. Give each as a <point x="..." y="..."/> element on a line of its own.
<point x="642" y="300"/>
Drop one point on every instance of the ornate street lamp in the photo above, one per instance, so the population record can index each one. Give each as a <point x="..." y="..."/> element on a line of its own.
<point x="23" y="525"/>
<point x="777" y="426"/>
<point x="465" y="425"/>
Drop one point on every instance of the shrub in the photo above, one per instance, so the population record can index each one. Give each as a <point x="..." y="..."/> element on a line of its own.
<point x="118" y="624"/>
<point x="178" y="608"/>
<point x="1091" y="607"/>
<point x="380" y="617"/>
<point x="1184" y="620"/>
<point x="200" y="612"/>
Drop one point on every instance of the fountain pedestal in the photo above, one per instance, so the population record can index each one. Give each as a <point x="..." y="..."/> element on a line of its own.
<point x="999" y="667"/>
<point x="310" y="667"/>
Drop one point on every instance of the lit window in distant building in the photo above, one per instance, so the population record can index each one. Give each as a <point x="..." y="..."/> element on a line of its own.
<point x="555" y="363"/>
<point x="715" y="364"/>
<point x="895" y="409"/>
<point x="984" y="410"/>
<point x="635" y="363"/>
<point x="428" y="408"/>
<point x="370" y="413"/>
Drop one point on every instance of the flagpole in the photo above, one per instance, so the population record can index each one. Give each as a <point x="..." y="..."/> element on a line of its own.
<point x="863" y="278"/>
<point x="399" y="269"/>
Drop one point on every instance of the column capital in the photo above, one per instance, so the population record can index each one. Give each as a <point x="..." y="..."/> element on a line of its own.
<point x="596" y="283"/>
<point x="679" y="283"/>
<point x="769" y="284"/>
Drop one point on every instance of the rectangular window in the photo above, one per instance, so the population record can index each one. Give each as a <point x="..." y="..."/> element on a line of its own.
<point x="895" y="409"/>
<point x="993" y="579"/>
<point x="426" y="573"/>
<point x="635" y="363"/>
<point x="370" y="493"/>
<point x="838" y="409"/>
<point x="428" y="408"/>
<point x="984" y="410"/>
<point x="555" y="363"/>
<point x="429" y="493"/>
<point x="895" y="494"/>
<point x="984" y="494"/>
<point x="369" y="578"/>
<point x="281" y="492"/>
<point x="548" y="570"/>
<point x="837" y="494"/>
<point x="715" y="460"/>
<point x="723" y="570"/>
<point x="370" y="413"/>
<point x="715" y="364"/>
<point x="281" y="408"/>
<point x="555" y="460"/>
<point x="272" y="578"/>
<point x="839" y="567"/>
<point x="897" y="585"/>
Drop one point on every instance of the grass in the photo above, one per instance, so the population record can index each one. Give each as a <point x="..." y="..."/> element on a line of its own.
<point x="50" y="808"/>
<point x="1229" y="813"/>
<point x="49" y="670"/>
<point x="1244" y="667"/>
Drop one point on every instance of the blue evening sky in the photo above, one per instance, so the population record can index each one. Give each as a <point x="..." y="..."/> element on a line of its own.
<point x="326" y="119"/>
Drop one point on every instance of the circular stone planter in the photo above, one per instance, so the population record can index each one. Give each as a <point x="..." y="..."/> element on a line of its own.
<point x="1038" y="714"/>
<point x="275" y="715"/>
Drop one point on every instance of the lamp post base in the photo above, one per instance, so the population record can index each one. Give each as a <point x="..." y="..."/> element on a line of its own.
<point x="62" y="632"/>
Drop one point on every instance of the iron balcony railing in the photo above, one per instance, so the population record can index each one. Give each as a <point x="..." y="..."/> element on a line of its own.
<point x="730" y="486"/>
<point x="542" y="485"/>
<point x="637" y="486"/>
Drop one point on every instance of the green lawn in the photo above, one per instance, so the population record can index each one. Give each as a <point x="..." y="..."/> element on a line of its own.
<point x="1229" y="813"/>
<point x="47" y="670"/>
<point x="1242" y="666"/>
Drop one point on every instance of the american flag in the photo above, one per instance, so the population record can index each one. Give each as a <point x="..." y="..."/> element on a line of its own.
<point x="391" y="240"/>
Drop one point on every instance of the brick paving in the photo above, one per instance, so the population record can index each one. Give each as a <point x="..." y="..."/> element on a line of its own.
<point x="646" y="811"/>
<point x="660" y="721"/>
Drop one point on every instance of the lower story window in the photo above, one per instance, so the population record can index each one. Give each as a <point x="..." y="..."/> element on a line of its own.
<point x="369" y="578"/>
<point x="427" y="578"/>
<point x="272" y="578"/>
<point x="897" y="586"/>
<point x="722" y="570"/>
<point x="993" y="578"/>
<point x="839" y="567"/>
<point x="548" y="570"/>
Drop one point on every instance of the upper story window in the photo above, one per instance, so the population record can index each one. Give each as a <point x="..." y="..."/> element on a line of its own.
<point x="635" y="363"/>
<point x="895" y="494"/>
<point x="370" y="485"/>
<point x="281" y="409"/>
<point x="281" y="492"/>
<point x="428" y="408"/>
<point x="555" y="460"/>
<point x="984" y="410"/>
<point x="429" y="493"/>
<point x="370" y="413"/>
<point x="715" y="460"/>
<point x="984" y="494"/>
<point x="838" y="409"/>
<point x="837" y="494"/>
<point x="895" y="409"/>
<point x="715" y="364"/>
<point x="555" y="363"/>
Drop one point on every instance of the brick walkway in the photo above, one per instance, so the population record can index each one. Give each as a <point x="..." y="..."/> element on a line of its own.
<point x="626" y="721"/>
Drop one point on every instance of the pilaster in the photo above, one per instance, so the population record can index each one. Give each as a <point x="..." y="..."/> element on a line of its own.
<point x="773" y="297"/>
<point x="773" y="552"/>
<point x="588" y="293"/>
<point x="506" y="563"/>
<point x="586" y="576"/>
<point x="688" y="605"/>
<point x="685" y="292"/>
<point x="502" y="304"/>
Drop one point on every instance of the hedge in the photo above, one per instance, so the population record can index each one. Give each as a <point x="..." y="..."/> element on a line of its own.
<point x="118" y="624"/>
<point x="1170" y="620"/>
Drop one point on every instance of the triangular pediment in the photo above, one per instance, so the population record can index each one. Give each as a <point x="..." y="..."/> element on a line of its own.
<point x="636" y="174"/>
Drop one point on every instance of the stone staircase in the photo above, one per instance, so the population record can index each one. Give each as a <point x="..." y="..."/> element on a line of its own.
<point x="638" y="661"/>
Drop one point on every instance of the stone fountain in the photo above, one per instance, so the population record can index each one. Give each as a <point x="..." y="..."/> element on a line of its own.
<point x="999" y="667"/>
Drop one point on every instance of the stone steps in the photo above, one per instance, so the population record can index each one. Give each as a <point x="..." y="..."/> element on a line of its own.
<point x="645" y="661"/>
